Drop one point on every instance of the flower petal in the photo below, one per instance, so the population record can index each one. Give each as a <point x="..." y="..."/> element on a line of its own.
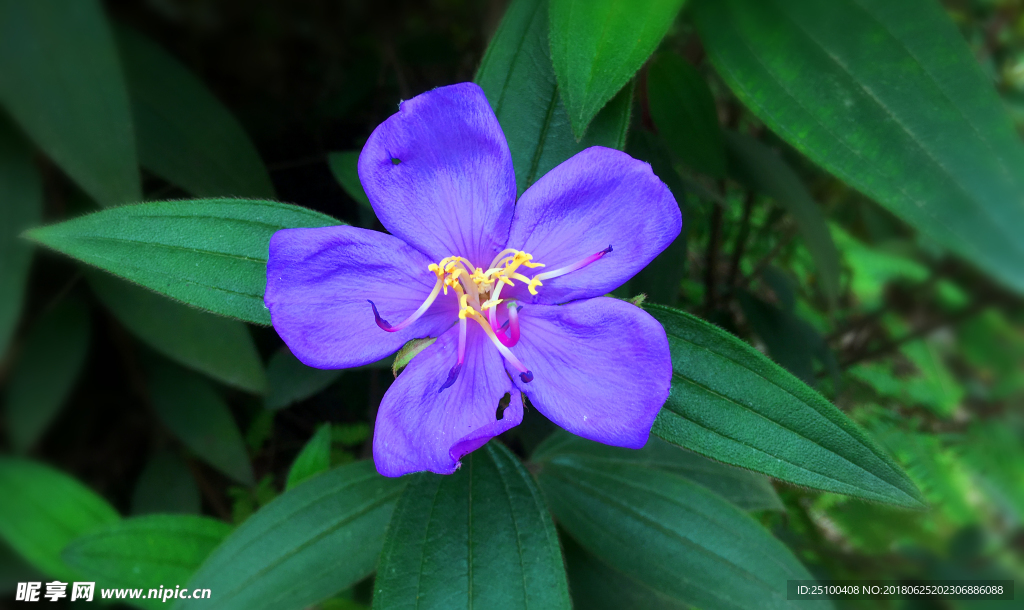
<point x="601" y="368"/>
<point x="439" y="174"/>
<point x="598" y="198"/>
<point x="419" y="428"/>
<point x="318" y="285"/>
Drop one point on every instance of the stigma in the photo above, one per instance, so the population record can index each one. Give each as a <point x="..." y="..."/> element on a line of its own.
<point x="479" y="297"/>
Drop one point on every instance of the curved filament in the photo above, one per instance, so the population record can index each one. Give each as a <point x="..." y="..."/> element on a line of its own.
<point x="547" y="275"/>
<point x="391" y="328"/>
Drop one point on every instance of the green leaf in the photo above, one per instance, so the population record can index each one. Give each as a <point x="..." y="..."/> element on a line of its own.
<point x="597" y="586"/>
<point x="937" y="387"/>
<point x="754" y="164"/>
<point x="46" y="370"/>
<point x="520" y="84"/>
<point x="886" y="96"/>
<point x="994" y="451"/>
<point x="21" y="192"/>
<point x="63" y="85"/>
<point x="872" y="267"/>
<point x="166" y="486"/>
<point x="935" y="468"/>
<point x="345" y="167"/>
<point x="185" y="135"/>
<point x="43" y="510"/>
<point x="215" y="346"/>
<point x="597" y="46"/>
<point x="190" y="407"/>
<point x="481" y="537"/>
<point x="209" y="253"/>
<point x="674" y="536"/>
<point x="408" y="352"/>
<point x="290" y="381"/>
<point x="314" y="458"/>
<point x="350" y="435"/>
<point x="743" y="488"/>
<point x="684" y="112"/>
<point x="731" y="403"/>
<point x="146" y="552"/>
<point x="305" y="546"/>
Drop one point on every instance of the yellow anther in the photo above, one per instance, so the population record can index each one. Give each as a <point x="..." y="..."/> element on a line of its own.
<point x="479" y="290"/>
<point x="464" y="308"/>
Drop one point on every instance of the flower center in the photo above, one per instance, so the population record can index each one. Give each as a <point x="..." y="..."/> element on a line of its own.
<point x="479" y="294"/>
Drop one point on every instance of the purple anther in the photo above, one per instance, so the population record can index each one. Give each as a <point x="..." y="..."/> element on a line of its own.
<point x="527" y="377"/>
<point x="453" y="374"/>
<point x="381" y="322"/>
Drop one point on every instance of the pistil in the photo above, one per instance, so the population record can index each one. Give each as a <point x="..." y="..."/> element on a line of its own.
<point x="381" y="322"/>
<point x="453" y="374"/>
<point x="479" y="291"/>
<point x="547" y="275"/>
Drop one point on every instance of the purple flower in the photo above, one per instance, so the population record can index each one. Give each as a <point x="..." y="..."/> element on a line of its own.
<point x="512" y="291"/>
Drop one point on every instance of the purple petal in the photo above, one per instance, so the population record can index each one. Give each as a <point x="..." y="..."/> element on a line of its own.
<point x="421" y="428"/>
<point x="598" y="198"/>
<point x="601" y="368"/>
<point x="439" y="175"/>
<point x="318" y="284"/>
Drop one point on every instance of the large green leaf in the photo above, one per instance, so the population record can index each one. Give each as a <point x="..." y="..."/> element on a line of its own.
<point x="345" y="167"/>
<point x="597" y="46"/>
<point x="480" y="538"/>
<point x="597" y="586"/>
<point x="683" y="110"/>
<point x="166" y="486"/>
<point x="216" y="346"/>
<point x="762" y="170"/>
<point x="520" y="84"/>
<point x="290" y="381"/>
<point x="42" y="510"/>
<point x="314" y="458"/>
<point x="210" y="253"/>
<point x="46" y="370"/>
<point x="731" y="403"/>
<point x="185" y="135"/>
<point x="62" y="83"/>
<point x="886" y="96"/>
<point x="309" y="543"/>
<point x="674" y="536"/>
<point x="21" y="192"/>
<point x="146" y="552"/>
<point x="191" y="408"/>
<point x="748" y="490"/>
